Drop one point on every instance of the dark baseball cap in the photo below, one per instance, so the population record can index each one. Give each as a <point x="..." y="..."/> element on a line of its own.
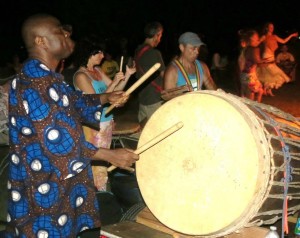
<point x="190" y="38"/>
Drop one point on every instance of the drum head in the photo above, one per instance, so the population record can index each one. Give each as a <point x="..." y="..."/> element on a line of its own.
<point x="204" y="178"/>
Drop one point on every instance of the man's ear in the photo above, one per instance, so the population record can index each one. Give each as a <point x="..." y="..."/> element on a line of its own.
<point x="181" y="47"/>
<point x="40" y="41"/>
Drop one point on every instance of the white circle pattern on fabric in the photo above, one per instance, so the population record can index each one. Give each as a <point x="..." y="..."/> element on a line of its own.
<point x="15" y="159"/>
<point x="76" y="166"/>
<point x="53" y="134"/>
<point x="98" y="115"/>
<point x="69" y="176"/>
<point x="25" y="104"/>
<point x="13" y="121"/>
<point x="84" y="228"/>
<point x="36" y="165"/>
<point x="65" y="100"/>
<point x="53" y="94"/>
<point x="14" y="83"/>
<point x="44" y="67"/>
<point x="26" y="131"/>
<point x="42" y="234"/>
<point x="79" y="201"/>
<point x="44" y="188"/>
<point x="15" y="195"/>
<point x="62" y="220"/>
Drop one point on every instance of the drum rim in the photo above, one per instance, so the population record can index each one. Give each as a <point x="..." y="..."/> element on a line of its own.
<point x="269" y="162"/>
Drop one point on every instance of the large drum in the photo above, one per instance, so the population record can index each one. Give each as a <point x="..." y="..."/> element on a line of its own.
<point x="234" y="164"/>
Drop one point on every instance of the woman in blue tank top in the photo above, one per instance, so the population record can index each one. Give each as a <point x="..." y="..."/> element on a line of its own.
<point x="90" y="79"/>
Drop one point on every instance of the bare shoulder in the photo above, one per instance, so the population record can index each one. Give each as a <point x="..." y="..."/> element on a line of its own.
<point x="80" y="75"/>
<point x="170" y="76"/>
<point x="81" y="78"/>
<point x="171" y="69"/>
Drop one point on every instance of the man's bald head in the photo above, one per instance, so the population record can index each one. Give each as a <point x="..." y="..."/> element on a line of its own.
<point x="34" y="26"/>
<point x="46" y="39"/>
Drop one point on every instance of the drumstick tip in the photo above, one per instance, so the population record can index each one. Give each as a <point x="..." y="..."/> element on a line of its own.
<point x="156" y="66"/>
<point x="179" y="124"/>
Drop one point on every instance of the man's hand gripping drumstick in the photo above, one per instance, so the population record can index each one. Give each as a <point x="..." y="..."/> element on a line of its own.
<point x="133" y="87"/>
<point x="152" y="142"/>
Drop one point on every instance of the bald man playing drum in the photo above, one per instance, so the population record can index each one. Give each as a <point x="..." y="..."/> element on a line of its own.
<point x="50" y="181"/>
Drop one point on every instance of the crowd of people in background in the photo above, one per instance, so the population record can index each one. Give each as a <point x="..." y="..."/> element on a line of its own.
<point x="262" y="64"/>
<point x="259" y="72"/>
<point x="220" y="57"/>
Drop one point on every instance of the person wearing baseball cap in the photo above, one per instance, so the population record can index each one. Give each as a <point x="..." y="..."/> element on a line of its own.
<point x="190" y="38"/>
<point x="186" y="69"/>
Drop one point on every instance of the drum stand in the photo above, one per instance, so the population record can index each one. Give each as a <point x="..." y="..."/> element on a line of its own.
<point x="124" y="129"/>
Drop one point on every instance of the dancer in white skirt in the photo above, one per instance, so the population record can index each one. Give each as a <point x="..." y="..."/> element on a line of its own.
<point x="269" y="73"/>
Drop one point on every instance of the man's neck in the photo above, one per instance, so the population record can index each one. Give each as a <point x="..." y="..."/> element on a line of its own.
<point x="45" y="59"/>
<point x="187" y="65"/>
<point x="186" y="62"/>
<point x="150" y="42"/>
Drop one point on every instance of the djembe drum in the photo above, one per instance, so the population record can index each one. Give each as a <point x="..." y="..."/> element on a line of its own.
<point x="234" y="164"/>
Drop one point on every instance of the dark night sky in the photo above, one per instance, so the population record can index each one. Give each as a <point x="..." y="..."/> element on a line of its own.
<point x="217" y="21"/>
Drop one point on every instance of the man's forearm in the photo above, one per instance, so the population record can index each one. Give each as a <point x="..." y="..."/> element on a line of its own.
<point x="104" y="98"/>
<point x="102" y="154"/>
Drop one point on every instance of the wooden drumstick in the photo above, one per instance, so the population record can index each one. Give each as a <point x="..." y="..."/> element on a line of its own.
<point x="136" y="84"/>
<point x="121" y="64"/>
<point x="152" y="142"/>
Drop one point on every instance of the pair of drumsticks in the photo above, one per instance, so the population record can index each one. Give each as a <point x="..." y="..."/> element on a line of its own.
<point x="159" y="137"/>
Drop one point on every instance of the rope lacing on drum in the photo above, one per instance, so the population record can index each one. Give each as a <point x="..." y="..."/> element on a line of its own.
<point x="288" y="171"/>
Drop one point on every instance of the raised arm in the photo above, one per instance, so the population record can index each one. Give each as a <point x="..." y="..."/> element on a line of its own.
<point x="83" y="82"/>
<point x="120" y="80"/>
<point x="285" y="40"/>
<point x="129" y="71"/>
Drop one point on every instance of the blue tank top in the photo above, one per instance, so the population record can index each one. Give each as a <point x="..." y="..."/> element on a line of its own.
<point x="192" y="77"/>
<point x="99" y="87"/>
